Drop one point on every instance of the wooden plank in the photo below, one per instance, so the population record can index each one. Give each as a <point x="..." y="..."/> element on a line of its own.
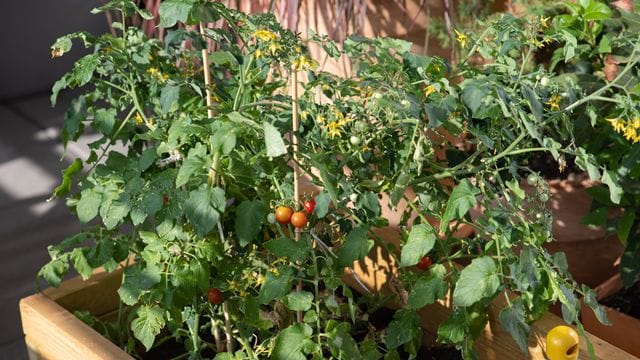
<point x="53" y="333"/>
<point x="98" y="294"/>
<point x="377" y="271"/>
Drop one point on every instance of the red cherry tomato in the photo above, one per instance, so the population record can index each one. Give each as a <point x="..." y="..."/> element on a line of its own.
<point x="309" y="206"/>
<point x="283" y="214"/>
<point x="165" y="199"/>
<point x="214" y="296"/>
<point x="424" y="263"/>
<point x="299" y="219"/>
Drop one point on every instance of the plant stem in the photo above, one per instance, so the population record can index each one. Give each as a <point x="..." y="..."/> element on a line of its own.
<point x="227" y="326"/>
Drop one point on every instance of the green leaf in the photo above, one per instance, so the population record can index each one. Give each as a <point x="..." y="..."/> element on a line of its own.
<point x="172" y="11"/>
<point x="473" y="96"/>
<point x="533" y="101"/>
<point x="224" y="139"/>
<point x="428" y="289"/>
<point x="513" y="319"/>
<point x="136" y="282"/>
<point x="592" y="302"/>
<point x="630" y="261"/>
<point x="113" y="212"/>
<point x="420" y="242"/>
<point x="84" y="68"/>
<point x="299" y="300"/>
<point x="203" y="208"/>
<point x="287" y="248"/>
<point x="88" y="205"/>
<point x="148" y="324"/>
<point x="596" y="10"/>
<point x="322" y="204"/>
<point x="463" y="198"/>
<point x="404" y="327"/>
<point x="223" y="57"/>
<point x="290" y="343"/>
<point x="80" y="263"/>
<point x="67" y="175"/>
<point x="615" y="190"/>
<point x="625" y="223"/>
<point x="55" y="90"/>
<point x="630" y="161"/>
<point x="453" y="329"/>
<point x="275" y="286"/>
<point x="196" y="160"/>
<point x="104" y="119"/>
<point x="370" y="202"/>
<point x="588" y="163"/>
<point x="250" y="216"/>
<point x="479" y="280"/>
<point x="356" y="246"/>
<point x="273" y="139"/>
<point x="54" y="271"/>
<point x="169" y="96"/>
<point x="73" y="118"/>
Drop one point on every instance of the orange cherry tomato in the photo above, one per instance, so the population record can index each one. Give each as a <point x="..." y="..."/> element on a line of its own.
<point x="283" y="214"/>
<point x="299" y="219"/>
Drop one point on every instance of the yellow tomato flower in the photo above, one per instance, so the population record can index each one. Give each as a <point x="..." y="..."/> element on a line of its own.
<point x="429" y="90"/>
<point x="617" y="124"/>
<point x="139" y="119"/>
<point x="554" y="102"/>
<point x="303" y="63"/>
<point x="334" y="129"/>
<point x="632" y="131"/>
<point x="259" y="54"/>
<point x="274" y="47"/>
<point x="265" y="35"/>
<point x="320" y="119"/>
<point x="544" y="22"/>
<point x="304" y="114"/>
<point x="462" y="39"/>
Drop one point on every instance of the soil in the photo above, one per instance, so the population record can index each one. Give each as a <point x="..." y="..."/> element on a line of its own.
<point x="548" y="168"/>
<point x="626" y="301"/>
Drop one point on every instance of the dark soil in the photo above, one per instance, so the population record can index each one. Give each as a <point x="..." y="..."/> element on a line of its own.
<point x="548" y="168"/>
<point x="626" y="301"/>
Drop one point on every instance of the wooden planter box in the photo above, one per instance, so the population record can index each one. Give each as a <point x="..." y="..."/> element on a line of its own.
<point x="624" y="331"/>
<point x="52" y="332"/>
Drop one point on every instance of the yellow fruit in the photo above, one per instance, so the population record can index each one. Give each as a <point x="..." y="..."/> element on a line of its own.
<point x="562" y="343"/>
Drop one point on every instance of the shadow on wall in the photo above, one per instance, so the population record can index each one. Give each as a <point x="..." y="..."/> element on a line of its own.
<point x="29" y="29"/>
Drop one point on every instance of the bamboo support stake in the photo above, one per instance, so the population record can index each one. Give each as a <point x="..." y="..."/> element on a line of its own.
<point x="212" y="175"/>
<point x="296" y="169"/>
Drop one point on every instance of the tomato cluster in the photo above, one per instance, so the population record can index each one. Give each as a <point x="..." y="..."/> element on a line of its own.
<point x="285" y="215"/>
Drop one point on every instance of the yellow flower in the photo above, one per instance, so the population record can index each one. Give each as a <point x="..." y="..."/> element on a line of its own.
<point x="274" y="47"/>
<point x="429" y="90"/>
<point x="462" y="39"/>
<point x="320" y="119"/>
<point x="304" y="114"/>
<point x="265" y="35"/>
<point x="259" y="54"/>
<point x="543" y="22"/>
<point x="554" y="102"/>
<point x="158" y="75"/>
<point x="334" y="129"/>
<point x="303" y="63"/>
<point x="618" y="124"/>
<point x="139" y="119"/>
<point x="632" y="131"/>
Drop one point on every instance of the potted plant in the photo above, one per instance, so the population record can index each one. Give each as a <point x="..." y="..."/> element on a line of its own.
<point x="220" y="248"/>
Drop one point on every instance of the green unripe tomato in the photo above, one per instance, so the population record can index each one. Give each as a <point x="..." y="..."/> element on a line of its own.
<point x="271" y="218"/>
<point x="354" y="140"/>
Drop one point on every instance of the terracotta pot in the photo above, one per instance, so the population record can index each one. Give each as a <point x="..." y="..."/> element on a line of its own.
<point x="624" y="330"/>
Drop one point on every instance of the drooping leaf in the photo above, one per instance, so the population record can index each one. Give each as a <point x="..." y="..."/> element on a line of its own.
<point x="513" y="319"/>
<point x="428" y="289"/>
<point x="274" y="286"/>
<point x="67" y="175"/>
<point x="148" y="324"/>
<point x="477" y="281"/>
<point x="404" y="327"/>
<point x="462" y="198"/>
<point x="136" y="282"/>
<point x="421" y="240"/>
<point x="299" y="300"/>
<point x="290" y="342"/>
<point x="273" y="139"/>
<point x="169" y="96"/>
<point x="356" y="246"/>
<point x="250" y="216"/>
<point x="88" y="205"/>
<point x="172" y="11"/>
<point x="203" y="208"/>
<point x="287" y="248"/>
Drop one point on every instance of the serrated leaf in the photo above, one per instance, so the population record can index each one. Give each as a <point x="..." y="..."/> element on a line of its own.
<point x="592" y="302"/>
<point x="196" y="160"/>
<point x="290" y="342"/>
<point x="89" y="204"/>
<point x="479" y="280"/>
<point x="67" y="176"/>
<point x="420" y="242"/>
<point x="513" y="320"/>
<point x="104" y="120"/>
<point x="148" y="324"/>
<point x="404" y="327"/>
<point x="203" y="208"/>
<point x="625" y="223"/>
<point x="356" y="246"/>
<point x="630" y="261"/>
<point x="428" y="289"/>
<point x="172" y="11"/>
<point x="169" y="96"/>
<point x="136" y="281"/>
<point x="287" y="248"/>
<point x="250" y="216"/>
<point x="113" y="212"/>
<point x="453" y="329"/>
<point x="273" y="140"/>
<point x="462" y="198"/>
<point x="322" y="204"/>
<point x="275" y="286"/>
<point x="615" y="190"/>
<point x="299" y="300"/>
<point x="84" y="68"/>
<point x="533" y="101"/>
<point x="80" y="263"/>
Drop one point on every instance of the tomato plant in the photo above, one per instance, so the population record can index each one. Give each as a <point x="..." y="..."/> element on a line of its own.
<point x="380" y="143"/>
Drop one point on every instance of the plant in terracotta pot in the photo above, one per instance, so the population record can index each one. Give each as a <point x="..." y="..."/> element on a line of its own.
<point x="202" y="206"/>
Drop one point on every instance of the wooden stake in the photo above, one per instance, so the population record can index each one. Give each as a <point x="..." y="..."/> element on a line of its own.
<point x="296" y="169"/>
<point x="207" y="74"/>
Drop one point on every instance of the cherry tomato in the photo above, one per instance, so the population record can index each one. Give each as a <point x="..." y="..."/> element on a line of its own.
<point x="354" y="140"/>
<point x="309" y="206"/>
<point x="562" y="343"/>
<point x="165" y="199"/>
<point x="271" y="218"/>
<point x="214" y="296"/>
<point x="424" y="263"/>
<point x="283" y="214"/>
<point x="299" y="219"/>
